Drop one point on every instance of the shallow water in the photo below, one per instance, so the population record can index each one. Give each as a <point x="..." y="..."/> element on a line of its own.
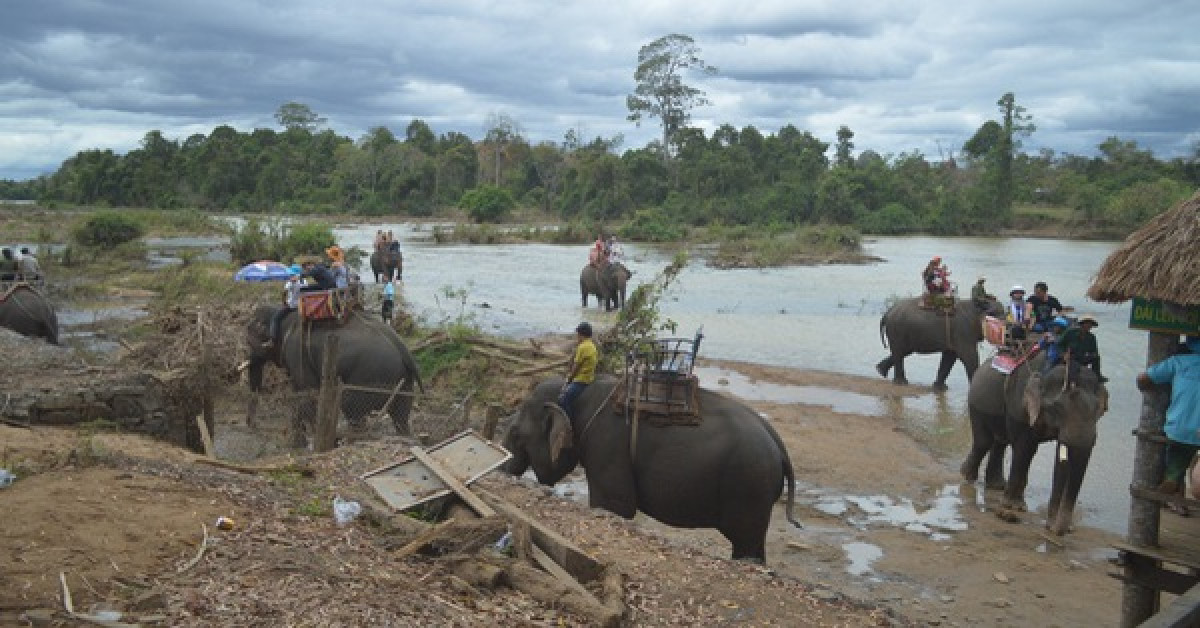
<point x="806" y="317"/>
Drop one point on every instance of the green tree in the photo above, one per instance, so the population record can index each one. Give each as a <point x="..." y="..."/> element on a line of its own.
<point x="296" y="116"/>
<point x="487" y="203"/>
<point x="1016" y="123"/>
<point x="661" y="92"/>
<point x="844" y="155"/>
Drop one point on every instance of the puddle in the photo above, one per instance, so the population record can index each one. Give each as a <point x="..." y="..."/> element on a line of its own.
<point x="941" y="517"/>
<point x="743" y="387"/>
<point x="861" y="555"/>
<point x="76" y="316"/>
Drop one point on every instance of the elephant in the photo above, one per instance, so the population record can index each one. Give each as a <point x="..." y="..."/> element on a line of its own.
<point x="1025" y="409"/>
<point x="26" y="311"/>
<point x="911" y="328"/>
<point x="608" y="284"/>
<point x="389" y="264"/>
<point x="725" y="473"/>
<point x="370" y="354"/>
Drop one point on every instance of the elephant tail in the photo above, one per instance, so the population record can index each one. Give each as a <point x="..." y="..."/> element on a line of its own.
<point x="882" y="327"/>
<point x="790" y="476"/>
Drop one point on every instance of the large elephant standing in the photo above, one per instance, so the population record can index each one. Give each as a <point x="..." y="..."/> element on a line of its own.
<point x="1023" y="410"/>
<point x="608" y="284"/>
<point x="910" y="328"/>
<point x="725" y="473"/>
<point x="387" y="264"/>
<point x="370" y="354"/>
<point x="25" y="311"/>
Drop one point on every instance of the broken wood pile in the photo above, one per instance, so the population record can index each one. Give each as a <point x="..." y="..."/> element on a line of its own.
<point x="480" y="532"/>
<point x="522" y="359"/>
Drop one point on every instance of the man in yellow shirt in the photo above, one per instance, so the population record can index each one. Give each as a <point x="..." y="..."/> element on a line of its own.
<point x="583" y="368"/>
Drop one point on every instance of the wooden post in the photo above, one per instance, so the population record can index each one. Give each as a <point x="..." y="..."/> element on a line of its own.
<point x="490" y="419"/>
<point x="325" y="433"/>
<point x="209" y="425"/>
<point x="1139" y="602"/>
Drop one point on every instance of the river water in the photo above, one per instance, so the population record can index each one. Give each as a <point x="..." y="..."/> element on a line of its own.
<point x="824" y="317"/>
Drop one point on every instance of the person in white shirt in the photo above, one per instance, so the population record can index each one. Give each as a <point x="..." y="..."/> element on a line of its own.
<point x="616" y="253"/>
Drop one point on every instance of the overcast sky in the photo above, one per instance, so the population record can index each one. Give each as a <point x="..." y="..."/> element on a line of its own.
<point x="904" y="76"/>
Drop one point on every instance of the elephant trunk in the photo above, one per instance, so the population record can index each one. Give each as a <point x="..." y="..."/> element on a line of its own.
<point x="254" y="373"/>
<point x="1065" y="491"/>
<point x="519" y="462"/>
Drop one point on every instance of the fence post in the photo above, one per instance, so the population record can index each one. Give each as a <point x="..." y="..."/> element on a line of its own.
<point x="490" y="420"/>
<point x="209" y="422"/>
<point x="1139" y="602"/>
<point x="325" y="433"/>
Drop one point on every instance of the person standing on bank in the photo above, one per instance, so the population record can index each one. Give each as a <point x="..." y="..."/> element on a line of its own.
<point x="582" y="370"/>
<point x="389" y="301"/>
<point x="1182" y="427"/>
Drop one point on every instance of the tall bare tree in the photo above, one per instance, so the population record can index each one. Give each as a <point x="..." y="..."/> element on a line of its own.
<point x="661" y="92"/>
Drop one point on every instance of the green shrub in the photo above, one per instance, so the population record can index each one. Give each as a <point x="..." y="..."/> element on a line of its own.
<point x="651" y="225"/>
<point x="893" y="219"/>
<point x="274" y="240"/>
<point x="487" y="203"/>
<point x="108" y="230"/>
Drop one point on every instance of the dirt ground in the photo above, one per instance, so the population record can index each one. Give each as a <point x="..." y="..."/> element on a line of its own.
<point x="119" y="515"/>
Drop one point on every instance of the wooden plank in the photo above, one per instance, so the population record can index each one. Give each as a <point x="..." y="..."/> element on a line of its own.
<point x="464" y="493"/>
<point x="545" y="562"/>
<point x="1159" y="554"/>
<point x="577" y="562"/>
<point x="1183" y="611"/>
<point x="534" y="370"/>
<point x="205" y="437"/>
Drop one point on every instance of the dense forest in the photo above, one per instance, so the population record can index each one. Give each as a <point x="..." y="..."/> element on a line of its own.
<point x="731" y="177"/>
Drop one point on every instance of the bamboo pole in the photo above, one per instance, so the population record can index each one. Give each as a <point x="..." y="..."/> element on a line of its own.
<point x="1139" y="602"/>
<point x="325" y="434"/>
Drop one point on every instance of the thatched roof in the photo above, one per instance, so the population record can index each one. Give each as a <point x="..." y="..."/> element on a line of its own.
<point x="1159" y="261"/>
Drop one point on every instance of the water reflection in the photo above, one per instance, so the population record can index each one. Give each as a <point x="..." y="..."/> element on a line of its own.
<point x="861" y="557"/>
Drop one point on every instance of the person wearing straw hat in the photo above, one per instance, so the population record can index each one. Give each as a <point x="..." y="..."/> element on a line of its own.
<point x="1182" y="372"/>
<point x="1079" y="343"/>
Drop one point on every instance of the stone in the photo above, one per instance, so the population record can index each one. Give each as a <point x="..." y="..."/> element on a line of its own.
<point x="1000" y="577"/>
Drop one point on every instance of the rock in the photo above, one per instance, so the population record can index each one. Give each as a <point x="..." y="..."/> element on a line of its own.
<point x="1075" y="565"/>
<point x="1000" y="603"/>
<point x="825" y="595"/>
<point x="1000" y="577"/>
<point x="947" y="598"/>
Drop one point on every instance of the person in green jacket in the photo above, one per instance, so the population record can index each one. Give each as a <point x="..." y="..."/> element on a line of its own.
<point x="1080" y="344"/>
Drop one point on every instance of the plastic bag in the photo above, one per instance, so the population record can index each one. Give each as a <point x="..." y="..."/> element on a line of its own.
<point x="6" y="478"/>
<point x="344" y="511"/>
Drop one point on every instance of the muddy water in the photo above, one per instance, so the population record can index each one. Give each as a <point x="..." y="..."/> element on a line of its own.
<point x="808" y="317"/>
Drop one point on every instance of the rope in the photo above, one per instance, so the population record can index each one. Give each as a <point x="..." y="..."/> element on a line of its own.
<point x="599" y="409"/>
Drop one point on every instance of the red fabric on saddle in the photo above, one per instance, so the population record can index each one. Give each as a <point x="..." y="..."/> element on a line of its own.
<point x="317" y="305"/>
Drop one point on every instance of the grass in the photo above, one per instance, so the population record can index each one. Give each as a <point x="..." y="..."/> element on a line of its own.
<point x="806" y="244"/>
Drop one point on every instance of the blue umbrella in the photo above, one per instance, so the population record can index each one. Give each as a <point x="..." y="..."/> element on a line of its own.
<point x="265" y="270"/>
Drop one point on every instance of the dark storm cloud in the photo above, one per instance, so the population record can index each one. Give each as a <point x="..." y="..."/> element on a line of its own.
<point x="80" y="74"/>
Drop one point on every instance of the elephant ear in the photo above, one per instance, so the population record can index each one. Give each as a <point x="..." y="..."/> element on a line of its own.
<point x="1032" y="398"/>
<point x="561" y="435"/>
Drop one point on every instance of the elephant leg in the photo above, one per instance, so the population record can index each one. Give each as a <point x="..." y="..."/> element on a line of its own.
<point x="993" y="477"/>
<point x="399" y="411"/>
<point x="748" y="536"/>
<point x="884" y="366"/>
<point x="1068" y="478"/>
<point x="981" y="443"/>
<point x="943" y="372"/>
<point x="1018" y="474"/>
<point x="898" y="375"/>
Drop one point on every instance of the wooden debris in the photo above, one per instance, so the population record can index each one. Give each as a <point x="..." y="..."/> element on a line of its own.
<point x="209" y="449"/>
<point x="199" y="553"/>
<point x="464" y="493"/>
<point x="574" y="560"/>
<point x="436" y="338"/>
<point x="240" y="468"/>
<point x="551" y="591"/>
<point x="534" y="370"/>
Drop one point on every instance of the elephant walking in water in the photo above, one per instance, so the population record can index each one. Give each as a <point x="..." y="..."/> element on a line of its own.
<point x="725" y="473"/>
<point x="608" y="284"/>
<point x="370" y="354"/>
<point x="908" y="327"/>
<point x="26" y="311"/>
<point x="388" y="264"/>
<point x="1023" y="410"/>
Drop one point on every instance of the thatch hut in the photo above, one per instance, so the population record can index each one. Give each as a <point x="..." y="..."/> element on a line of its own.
<point x="1158" y="267"/>
<point x="1160" y="261"/>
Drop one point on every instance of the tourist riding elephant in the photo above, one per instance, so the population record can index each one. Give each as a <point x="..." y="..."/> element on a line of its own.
<point x="912" y="328"/>
<point x="25" y="311"/>
<point x="370" y="354"/>
<point x="608" y="284"/>
<point x="1023" y="410"/>
<point x="387" y="264"/>
<point x="725" y="473"/>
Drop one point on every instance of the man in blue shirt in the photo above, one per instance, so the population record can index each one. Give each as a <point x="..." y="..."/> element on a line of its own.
<point x="1182" y="427"/>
